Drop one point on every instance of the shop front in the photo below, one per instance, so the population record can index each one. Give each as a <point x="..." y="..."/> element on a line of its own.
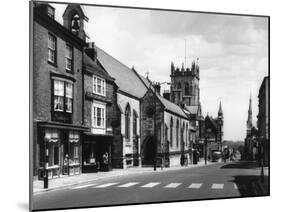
<point x="60" y="151"/>
<point x="96" y="153"/>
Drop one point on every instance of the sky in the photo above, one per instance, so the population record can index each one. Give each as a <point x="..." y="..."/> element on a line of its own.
<point x="232" y="52"/>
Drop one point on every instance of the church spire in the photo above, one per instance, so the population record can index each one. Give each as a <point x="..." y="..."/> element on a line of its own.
<point x="250" y="116"/>
<point x="220" y="113"/>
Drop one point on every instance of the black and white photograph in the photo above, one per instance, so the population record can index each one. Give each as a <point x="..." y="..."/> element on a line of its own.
<point x="132" y="105"/>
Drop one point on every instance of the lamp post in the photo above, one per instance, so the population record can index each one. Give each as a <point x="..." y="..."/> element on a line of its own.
<point x="46" y="159"/>
<point x="208" y="131"/>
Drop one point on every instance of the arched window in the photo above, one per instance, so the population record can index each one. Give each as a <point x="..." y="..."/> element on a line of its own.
<point x="179" y="85"/>
<point x="187" y="134"/>
<point x="127" y="121"/>
<point x="186" y="89"/>
<point x="171" y="132"/>
<point x="135" y="116"/>
<point x="177" y="133"/>
<point x="183" y="129"/>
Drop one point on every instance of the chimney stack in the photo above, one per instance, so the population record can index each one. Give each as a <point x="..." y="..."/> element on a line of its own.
<point x="91" y="51"/>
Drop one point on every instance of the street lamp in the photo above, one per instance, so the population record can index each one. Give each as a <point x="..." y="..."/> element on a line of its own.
<point x="46" y="159"/>
<point x="208" y="131"/>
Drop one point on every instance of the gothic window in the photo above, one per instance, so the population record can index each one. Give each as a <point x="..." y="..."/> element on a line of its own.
<point x="177" y="133"/>
<point x="186" y="89"/>
<point x="135" y="115"/>
<point x="179" y="85"/>
<point x="186" y="134"/>
<point x="171" y="132"/>
<point x="127" y="121"/>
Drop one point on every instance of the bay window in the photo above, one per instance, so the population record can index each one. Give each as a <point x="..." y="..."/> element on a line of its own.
<point x="63" y="96"/>
<point x="98" y="115"/>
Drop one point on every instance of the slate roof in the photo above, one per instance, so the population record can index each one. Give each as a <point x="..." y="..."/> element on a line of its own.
<point x="170" y="106"/>
<point x="125" y="78"/>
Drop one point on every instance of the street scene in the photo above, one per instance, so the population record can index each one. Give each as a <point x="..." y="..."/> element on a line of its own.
<point x="219" y="180"/>
<point x="134" y="106"/>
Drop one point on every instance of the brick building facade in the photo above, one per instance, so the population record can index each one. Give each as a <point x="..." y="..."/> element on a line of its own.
<point x="100" y="113"/>
<point x="57" y="95"/>
<point x="263" y="120"/>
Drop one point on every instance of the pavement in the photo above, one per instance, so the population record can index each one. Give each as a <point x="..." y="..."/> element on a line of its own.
<point x="66" y="181"/>
<point x="143" y="185"/>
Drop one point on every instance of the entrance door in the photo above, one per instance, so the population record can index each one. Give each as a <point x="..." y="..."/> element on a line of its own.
<point x="149" y="151"/>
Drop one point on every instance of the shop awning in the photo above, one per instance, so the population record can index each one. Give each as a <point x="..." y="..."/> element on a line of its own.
<point x="58" y="125"/>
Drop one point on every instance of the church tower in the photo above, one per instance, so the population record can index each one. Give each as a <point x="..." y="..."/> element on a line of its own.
<point x="73" y="20"/>
<point x="185" y="85"/>
<point x="250" y="118"/>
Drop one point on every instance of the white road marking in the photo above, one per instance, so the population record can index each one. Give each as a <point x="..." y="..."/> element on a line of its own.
<point x="195" y="185"/>
<point x="106" y="185"/>
<point x="128" y="185"/>
<point x="83" y="186"/>
<point x="150" y="185"/>
<point x="172" y="185"/>
<point x="217" y="186"/>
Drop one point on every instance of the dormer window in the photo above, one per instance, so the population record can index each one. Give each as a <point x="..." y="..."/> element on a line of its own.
<point x="75" y="23"/>
<point x="51" y="12"/>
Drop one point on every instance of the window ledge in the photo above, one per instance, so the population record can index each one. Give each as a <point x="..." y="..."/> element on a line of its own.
<point x="53" y="167"/>
<point x="53" y="64"/>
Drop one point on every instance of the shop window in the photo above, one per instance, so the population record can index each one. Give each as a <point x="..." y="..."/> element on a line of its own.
<point x="73" y="147"/>
<point x="53" y="147"/>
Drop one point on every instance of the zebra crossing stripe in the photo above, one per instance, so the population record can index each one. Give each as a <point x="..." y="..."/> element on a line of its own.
<point x="83" y="186"/>
<point x="195" y="185"/>
<point x="106" y="185"/>
<point x="128" y="185"/>
<point x="150" y="185"/>
<point x="217" y="186"/>
<point x="172" y="185"/>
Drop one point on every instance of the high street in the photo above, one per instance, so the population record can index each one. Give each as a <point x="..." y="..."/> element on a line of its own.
<point x="219" y="180"/>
